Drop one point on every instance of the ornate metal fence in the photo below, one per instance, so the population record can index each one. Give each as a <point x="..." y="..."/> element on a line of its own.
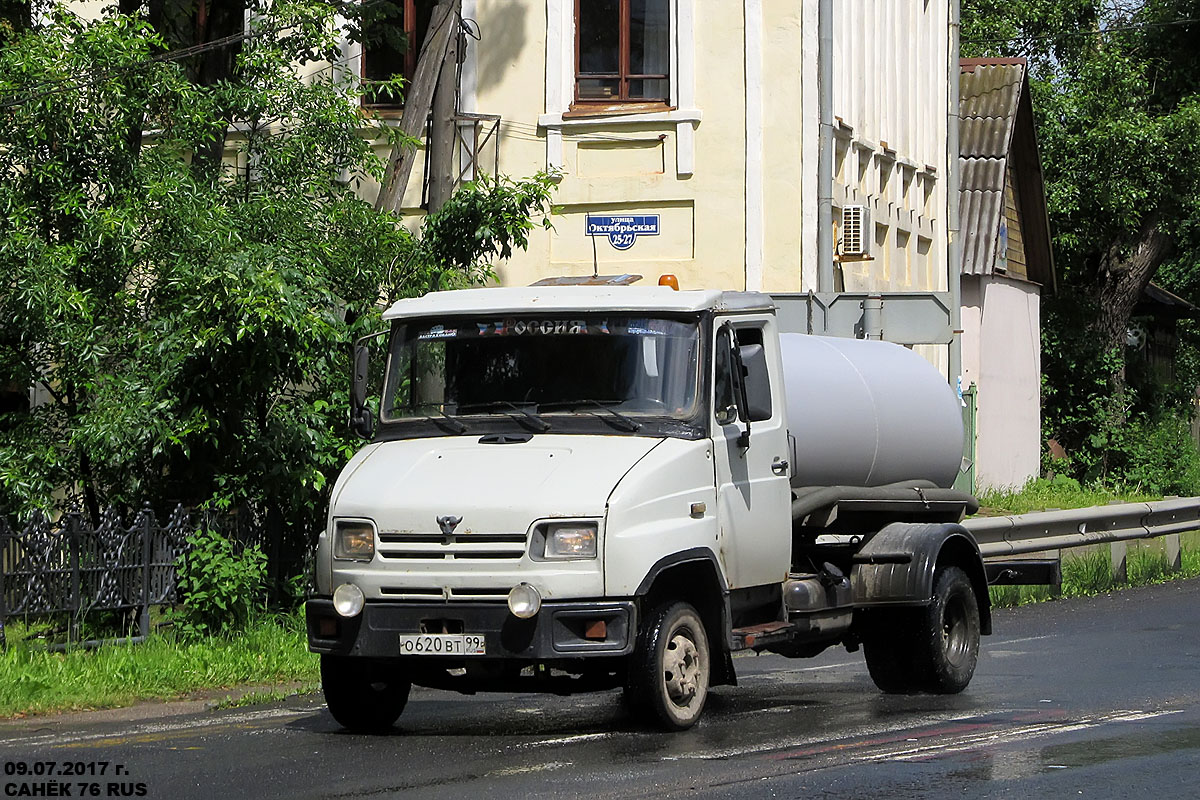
<point x="70" y="567"/>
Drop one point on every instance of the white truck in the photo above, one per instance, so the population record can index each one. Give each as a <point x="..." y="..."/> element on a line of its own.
<point x="574" y="488"/>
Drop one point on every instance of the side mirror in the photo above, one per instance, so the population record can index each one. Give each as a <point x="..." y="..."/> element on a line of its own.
<point x="358" y="384"/>
<point x="362" y="418"/>
<point x="362" y="421"/>
<point x="756" y="384"/>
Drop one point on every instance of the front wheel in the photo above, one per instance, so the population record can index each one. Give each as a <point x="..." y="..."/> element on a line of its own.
<point x="364" y="695"/>
<point x="671" y="668"/>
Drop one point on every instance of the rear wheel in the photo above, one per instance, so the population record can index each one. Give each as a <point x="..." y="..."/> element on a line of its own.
<point x="889" y="653"/>
<point x="932" y="649"/>
<point x="364" y="695"/>
<point x="671" y="668"/>
<point x="949" y="644"/>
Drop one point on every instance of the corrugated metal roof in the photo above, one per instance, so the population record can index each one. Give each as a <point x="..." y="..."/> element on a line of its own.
<point x="981" y="174"/>
<point x="984" y="137"/>
<point x="988" y="95"/>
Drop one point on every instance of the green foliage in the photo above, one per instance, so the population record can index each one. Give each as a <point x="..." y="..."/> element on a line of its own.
<point x="1157" y="456"/>
<point x="1116" y="95"/>
<point x="185" y="322"/>
<point x="1078" y="402"/>
<point x="485" y="222"/>
<point x="221" y="590"/>
<point x="271" y="651"/>
<point x="1118" y="146"/>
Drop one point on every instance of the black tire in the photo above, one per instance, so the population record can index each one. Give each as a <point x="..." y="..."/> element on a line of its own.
<point x="948" y="647"/>
<point x="932" y="649"/>
<point x="671" y="668"/>
<point x="364" y="695"/>
<point x="889" y="653"/>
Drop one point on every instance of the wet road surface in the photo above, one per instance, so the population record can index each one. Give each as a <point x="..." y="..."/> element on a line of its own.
<point x="1081" y="698"/>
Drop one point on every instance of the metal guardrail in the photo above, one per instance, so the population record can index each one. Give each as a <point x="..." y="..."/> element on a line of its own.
<point x="1054" y="530"/>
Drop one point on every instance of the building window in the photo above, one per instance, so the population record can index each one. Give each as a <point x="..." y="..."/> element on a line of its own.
<point x="392" y="34"/>
<point x="622" y="52"/>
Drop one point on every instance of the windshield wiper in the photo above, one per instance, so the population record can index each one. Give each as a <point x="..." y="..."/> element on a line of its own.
<point x="447" y="422"/>
<point x="537" y="422"/>
<point x="623" y="422"/>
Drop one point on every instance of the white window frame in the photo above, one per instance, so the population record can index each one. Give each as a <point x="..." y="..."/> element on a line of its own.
<point x="560" y="85"/>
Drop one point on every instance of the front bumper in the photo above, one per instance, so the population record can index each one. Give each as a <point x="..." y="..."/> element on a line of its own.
<point x="558" y="631"/>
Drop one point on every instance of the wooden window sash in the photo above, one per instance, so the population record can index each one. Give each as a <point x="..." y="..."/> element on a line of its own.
<point x="410" y="58"/>
<point x="623" y="77"/>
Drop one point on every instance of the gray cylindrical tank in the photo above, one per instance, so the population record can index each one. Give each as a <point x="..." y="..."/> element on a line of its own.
<point x="866" y="413"/>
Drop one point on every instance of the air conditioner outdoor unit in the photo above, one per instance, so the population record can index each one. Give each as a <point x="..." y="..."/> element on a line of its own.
<point x="856" y="232"/>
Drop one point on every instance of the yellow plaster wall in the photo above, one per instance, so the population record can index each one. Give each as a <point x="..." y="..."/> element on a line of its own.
<point x="702" y="237"/>
<point x="784" y="147"/>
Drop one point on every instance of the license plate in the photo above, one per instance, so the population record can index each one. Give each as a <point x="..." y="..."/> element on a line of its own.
<point x="442" y="644"/>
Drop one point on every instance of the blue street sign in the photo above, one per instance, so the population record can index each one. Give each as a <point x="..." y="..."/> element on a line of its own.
<point x="622" y="230"/>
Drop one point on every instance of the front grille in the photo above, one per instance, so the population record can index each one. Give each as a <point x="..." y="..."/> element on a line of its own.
<point x="437" y="593"/>
<point x="465" y="546"/>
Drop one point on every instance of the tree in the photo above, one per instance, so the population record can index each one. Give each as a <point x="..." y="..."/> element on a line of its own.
<point x="1118" y="111"/>
<point x="189" y="329"/>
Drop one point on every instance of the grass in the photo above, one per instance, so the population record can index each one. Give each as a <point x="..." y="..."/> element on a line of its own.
<point x="1041" y="494"/>
<point x="255" y="698"/>
<point x="1089" y="573"/>
<point x="271" y="651"/>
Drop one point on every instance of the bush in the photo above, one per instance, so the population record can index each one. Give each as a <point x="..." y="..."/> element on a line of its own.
<point x="1158" y="456"/>
<point x="221" y="590"/>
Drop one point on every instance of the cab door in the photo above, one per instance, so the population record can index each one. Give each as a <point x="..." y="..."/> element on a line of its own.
<point x="750" y="446"/>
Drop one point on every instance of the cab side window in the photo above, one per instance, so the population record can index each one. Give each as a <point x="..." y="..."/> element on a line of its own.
<point x="751" y="359"/>
<point x="724" y="398"/>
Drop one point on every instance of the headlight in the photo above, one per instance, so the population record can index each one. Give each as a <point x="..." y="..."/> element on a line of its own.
<point x="353" y="539"/>
<point x="570" y="540"/>
<point x="348" y="600"/>
<point x="524" y="601"/>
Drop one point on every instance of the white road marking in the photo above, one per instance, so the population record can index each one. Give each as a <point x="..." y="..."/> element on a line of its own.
<point x="801" y="741"/>
<point x="583" y="737"/>
<point x="975" y="741"/>
<point x="908" y="752"/>
<point x="547" y="767"/>
<point x="1017" y="641"/>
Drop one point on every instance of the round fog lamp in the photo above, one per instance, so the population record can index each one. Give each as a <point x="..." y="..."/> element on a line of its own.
<point x="348" y="600"/>
<point x="524" y="601"/>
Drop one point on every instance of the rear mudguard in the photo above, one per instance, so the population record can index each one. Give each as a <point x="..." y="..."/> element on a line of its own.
<point x="896" y="566"/>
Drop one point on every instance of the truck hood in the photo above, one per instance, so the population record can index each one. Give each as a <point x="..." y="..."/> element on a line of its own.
<point x="404" y="486"/>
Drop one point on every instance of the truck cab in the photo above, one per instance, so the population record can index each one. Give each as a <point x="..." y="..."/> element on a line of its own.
<point x="580" y="488"/>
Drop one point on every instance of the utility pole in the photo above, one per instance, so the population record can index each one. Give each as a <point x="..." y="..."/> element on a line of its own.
<point x="443" y="26"/>
<point x="443" y="127"/>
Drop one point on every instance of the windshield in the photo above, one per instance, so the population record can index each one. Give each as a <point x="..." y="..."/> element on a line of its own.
<point x="587" y="364"/>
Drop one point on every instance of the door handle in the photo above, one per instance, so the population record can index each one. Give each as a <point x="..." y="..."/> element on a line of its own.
<point x="779" y="467"/>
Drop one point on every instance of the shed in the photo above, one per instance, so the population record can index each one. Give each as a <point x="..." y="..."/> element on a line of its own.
<point x="1007" y="263"/>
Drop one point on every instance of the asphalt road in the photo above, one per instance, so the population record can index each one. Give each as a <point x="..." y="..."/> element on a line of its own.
<point x="1081" y="698"/>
